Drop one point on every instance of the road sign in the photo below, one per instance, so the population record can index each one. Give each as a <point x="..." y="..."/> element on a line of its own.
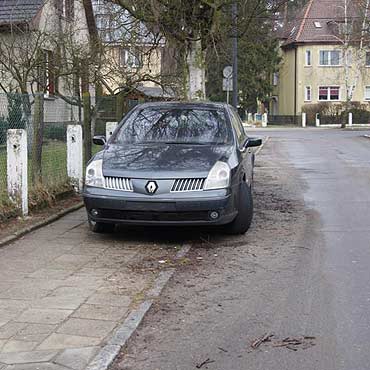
<point x="228" y="72"/>
<point x="227" y="84"/>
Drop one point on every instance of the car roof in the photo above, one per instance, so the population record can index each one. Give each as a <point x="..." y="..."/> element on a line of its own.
<point x="184" y="104"/>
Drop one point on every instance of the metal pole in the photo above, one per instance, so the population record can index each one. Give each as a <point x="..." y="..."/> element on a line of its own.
<point x="235" y="53"/>
<point x="228" y="90"/>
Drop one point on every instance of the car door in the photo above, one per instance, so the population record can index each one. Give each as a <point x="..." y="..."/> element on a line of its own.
<point x="246" y="155"/>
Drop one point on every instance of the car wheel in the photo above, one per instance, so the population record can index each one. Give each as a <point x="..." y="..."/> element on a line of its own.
<point x="243" y="220"/>
<point x="100" y="227"/>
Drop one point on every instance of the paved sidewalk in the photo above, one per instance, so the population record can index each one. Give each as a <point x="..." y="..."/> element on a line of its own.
<point x="63" y="291"/>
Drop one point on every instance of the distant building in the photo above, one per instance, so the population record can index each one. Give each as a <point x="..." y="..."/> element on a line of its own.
<point x="137" y="58"/>
<point x="313" y="58"/>
<point x="22" y="23"/>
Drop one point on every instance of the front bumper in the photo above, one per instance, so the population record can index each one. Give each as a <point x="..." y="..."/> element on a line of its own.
<point x="112" y="206"/>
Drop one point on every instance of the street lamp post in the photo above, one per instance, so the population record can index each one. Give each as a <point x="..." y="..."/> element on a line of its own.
<point x="234" y="13"/>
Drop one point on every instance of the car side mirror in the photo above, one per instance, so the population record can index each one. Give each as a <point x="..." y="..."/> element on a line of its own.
<point x="99" y="140"/>
<point x="253" y="142"/>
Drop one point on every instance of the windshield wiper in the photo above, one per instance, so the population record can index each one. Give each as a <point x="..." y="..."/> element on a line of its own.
<point x="185" y="142"/>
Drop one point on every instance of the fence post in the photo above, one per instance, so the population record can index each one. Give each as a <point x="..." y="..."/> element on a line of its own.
<point x="17" y="170"/>
<point x="75" y="156"/>
<point x="317" y="120"/>
<point x="109" y="129"/>
<point x="350" y="119"/>
<point x="304" y="119"/>
<point x="264" y="120"/>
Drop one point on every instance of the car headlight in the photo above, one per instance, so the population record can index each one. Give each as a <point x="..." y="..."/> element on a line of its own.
<point x="218" y="177"/>
<point x="94" y="174"/>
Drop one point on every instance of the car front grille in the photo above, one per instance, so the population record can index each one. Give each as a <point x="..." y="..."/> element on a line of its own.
<point x="118" y="183"/>
<point x="153" y="215"/>
<point x="183" y="185"/>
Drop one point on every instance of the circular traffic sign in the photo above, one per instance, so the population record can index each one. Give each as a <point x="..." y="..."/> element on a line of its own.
<point x="228" y="71"/>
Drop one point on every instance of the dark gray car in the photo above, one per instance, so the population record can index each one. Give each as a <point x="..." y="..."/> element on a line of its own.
<point x="173" y="163"/>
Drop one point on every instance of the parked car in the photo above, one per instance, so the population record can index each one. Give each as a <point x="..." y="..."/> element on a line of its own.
<point x="173" y="163"/>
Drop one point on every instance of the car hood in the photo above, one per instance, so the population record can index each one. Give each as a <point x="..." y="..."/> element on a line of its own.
<point x="162" y="160"/>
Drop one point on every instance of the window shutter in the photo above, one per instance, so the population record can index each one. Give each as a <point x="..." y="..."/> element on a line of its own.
<point x="59" y="6"/>
<point x="51" y="72"/>
<point x="70" y="9"/>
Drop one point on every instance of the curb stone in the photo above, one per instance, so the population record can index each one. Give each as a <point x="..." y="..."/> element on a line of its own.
<point x="11" y="238"/>
<point x="121" y="336"/>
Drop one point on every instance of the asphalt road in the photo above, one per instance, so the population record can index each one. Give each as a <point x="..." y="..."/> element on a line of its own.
<point x="301" y="271"/>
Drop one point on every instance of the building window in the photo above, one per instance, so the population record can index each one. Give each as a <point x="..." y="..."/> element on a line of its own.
<point x="275" y="78"/>
<point x="65" y="9"/>
<point x="329" y="93"/>
<point x="329" y="57"/>
<point x="308" y="58"/>
<point x="130" y="58"/>
<point x="307" y="93"/>
<point x="47" y="79"/>
<point x="367" y="59"/>
<point x="367" y="93"/>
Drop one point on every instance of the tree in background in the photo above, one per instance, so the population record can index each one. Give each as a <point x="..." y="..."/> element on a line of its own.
<point x="201" y="30"/>
<point x="190" y="26"/>
<point x="258" y="54"/>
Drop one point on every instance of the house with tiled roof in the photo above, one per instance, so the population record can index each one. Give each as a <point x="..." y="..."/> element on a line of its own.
<point x="32" y="44"/>
<point x="325" y="54"/>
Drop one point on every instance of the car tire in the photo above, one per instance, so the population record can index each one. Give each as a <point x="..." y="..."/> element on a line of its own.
<point x="243" y="220"/>
<point x="100" y="227"/>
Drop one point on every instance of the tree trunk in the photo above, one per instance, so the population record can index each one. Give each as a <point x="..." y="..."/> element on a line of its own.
<point x="26" y="103"/>
<point x="196" y="84"/>
<point x="86" y="104"/>
<point x="86" y="98"/>
<point x="121" y="108"/>
<point x="38" y="131"/>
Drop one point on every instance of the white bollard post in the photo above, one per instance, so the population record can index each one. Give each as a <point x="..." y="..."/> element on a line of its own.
<point x="17" y="170"/>
<point x="109" y="129"/>
<point x="304" y="119"/>
<point x="350" y="119"/>
<point x="250" y="117"/>
<point x="75" y="156"/>
<point x="264" y="120"/>
<point x="317" y="120"/>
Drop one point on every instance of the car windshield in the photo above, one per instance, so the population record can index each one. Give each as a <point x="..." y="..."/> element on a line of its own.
<point x="175" y="126"/>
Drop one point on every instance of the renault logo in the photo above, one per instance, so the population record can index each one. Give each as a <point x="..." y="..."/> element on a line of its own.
<point x="151" y="187"/>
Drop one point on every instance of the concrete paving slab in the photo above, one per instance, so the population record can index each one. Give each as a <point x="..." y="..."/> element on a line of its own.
<point x="38" y="338"/>
<point x="72" y="291"/>
<point x="37" y="366"/>
<point x="10" y="329"/>
<point x="31" y="329"/>
<point x="61" y="302"/>
<point x="76" y="358"/>
<point x="18" y="346"/>
<point x="62" y="341"/>
<point x="100" y="312"/>
<point x="46" y="280"/>
<point x="48" y="273"/>
<point x="27" y="357"/>
<point x="44" y="316"/>
<point x="109" y="299"/>
<point x="87" y="328"/>
<point x="70" y="261"/>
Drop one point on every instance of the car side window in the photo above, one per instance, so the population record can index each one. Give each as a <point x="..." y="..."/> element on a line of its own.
<point x="238" y="126"/>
